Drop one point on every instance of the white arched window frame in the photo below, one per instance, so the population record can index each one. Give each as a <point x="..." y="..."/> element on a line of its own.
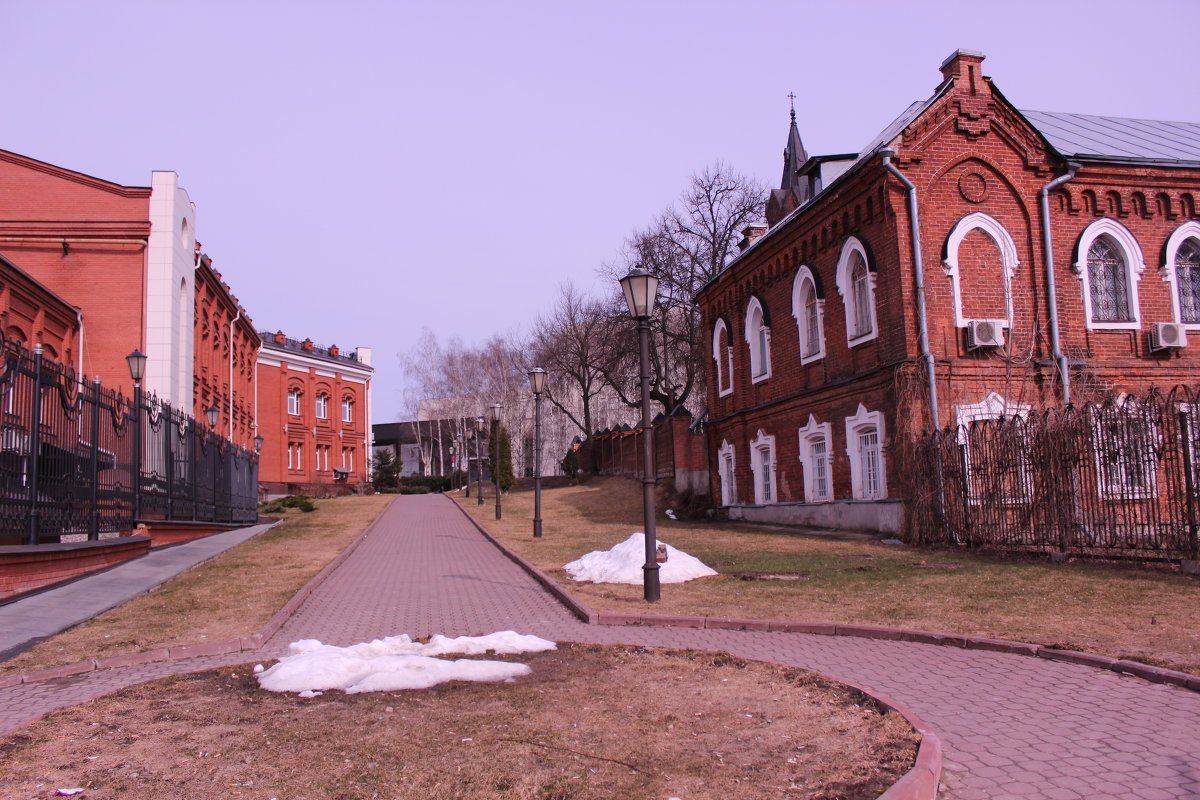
<point x="722" y="354"/>
<point x="809" y="311"/>
<point x="1185" y="294"/>
<point x="995" y="474"/>
<point x="1134" y="264"/>
<point x="858" y="292"/>
<point x="758" y="340"/>
<point x="762" y="467"/>
<point x="992" y="228"/>
<point x="865" y="440"/>
<point x="816" y="456"/>
<point x="725" y="471"/>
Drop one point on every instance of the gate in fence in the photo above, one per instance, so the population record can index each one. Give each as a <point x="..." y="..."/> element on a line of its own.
<point x="76" y="458"/>
<point x="1118" y="479"/>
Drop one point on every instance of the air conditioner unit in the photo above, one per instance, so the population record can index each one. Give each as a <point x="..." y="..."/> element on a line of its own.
<point x="1167" y="336"/>
<point x="985" y="333"/>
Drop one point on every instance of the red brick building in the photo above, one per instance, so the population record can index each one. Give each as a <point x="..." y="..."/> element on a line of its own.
<point x="973" y="261"/>
<point x="31" y="314"/>
<point x="314" y="415"/>
<point x="226" y="350"/>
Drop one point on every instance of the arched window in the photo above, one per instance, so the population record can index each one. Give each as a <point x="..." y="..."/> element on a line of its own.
<point x="293" y="401"/>
<point x="856" y="285"/>
<point x="762" y="466"/>
<point x="1181" y="269"/>
<point x="1109" y="264"/>
<point x="815" y="450"/>
<point x="725" y="471"/>
<point x="758" y="338"/>
<point x="864" y="446"/>
<point x="322" y="406"/>
<point x="808" y="308"/>
<point x="722" y="354"/>
<point x="1007" y="248"/>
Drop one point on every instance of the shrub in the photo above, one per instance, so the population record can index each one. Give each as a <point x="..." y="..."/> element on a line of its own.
<point x="278" y="505"/>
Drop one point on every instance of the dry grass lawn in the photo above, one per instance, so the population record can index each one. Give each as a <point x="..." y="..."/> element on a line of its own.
<point x="231" y="595"/>
<point x="1142" y="614"/>
<point x="589" y="722"/>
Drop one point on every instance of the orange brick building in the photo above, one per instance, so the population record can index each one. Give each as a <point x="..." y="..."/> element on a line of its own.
<point x="973" y="261"/>
<point x="314" y="414"/>
<point x="31" y="314"/>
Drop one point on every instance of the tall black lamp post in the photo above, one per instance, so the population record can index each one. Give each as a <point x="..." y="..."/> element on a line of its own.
<point x="496" y="409"/>
<point x="641" y="291"/>
<point x="479" y="459"/>
<point x="137" y="370"/>
<point x="537" y="383"/>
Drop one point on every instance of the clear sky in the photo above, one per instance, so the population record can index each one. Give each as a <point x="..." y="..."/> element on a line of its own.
<point x="362" y="170"/>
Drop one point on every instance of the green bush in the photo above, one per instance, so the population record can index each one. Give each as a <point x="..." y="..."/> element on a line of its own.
<point x="413" y="490"/>
<point x="279" y="505"/>
<point x="570" y="463"/>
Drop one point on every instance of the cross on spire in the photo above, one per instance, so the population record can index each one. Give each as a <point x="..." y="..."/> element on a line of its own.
<point x="792" y="99"/>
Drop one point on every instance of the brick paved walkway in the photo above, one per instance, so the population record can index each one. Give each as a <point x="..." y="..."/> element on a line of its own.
<point x="1013" y="726"/>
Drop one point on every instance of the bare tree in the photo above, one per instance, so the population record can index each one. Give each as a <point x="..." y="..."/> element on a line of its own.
<point x="568" y="341"/>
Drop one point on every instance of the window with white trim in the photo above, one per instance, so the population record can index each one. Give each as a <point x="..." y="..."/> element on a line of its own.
<point x="815" y="450"/>
<point x="758" y="339"/>
<point x="1181" y="270"/>
<point x="856" y="285"/>
<point x="725" y="471"/>
<point x="293" y="401"/>
<point x="1126" y="444"/>
<point x="1109" y="264"/>
<point x="995" y="454"/>
<point x="809" y="310"/>
<point x="864" y="446"/>
<point x="762" y="467"/>
<point x="995" y="231"/>
<point x="722" y="353"/>
<point x="347" y="410"/>
<point x="322" y="406"/>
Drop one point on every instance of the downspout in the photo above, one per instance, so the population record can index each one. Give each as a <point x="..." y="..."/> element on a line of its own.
<point x="79" y="344"/>
<point x="231" y="361"/>
<point x="1064" y="373"/>
<point x="914" y="228"/>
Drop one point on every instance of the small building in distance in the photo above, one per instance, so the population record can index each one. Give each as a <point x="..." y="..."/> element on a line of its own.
<point x="973" y="261"/>
<point x="314" y="414"/>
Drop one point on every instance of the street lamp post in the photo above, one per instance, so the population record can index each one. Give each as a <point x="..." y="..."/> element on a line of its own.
<point x="641" y="291"/>
<point x="213" y="415"/>
<point x="496" y="409"/>
<point x="137" y="370"/>
<point x="479" y="460"/>
<point x="537" y="383"/>
<point x="453" y="468"/>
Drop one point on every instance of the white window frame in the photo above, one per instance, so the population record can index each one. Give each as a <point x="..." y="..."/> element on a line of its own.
<point x="862" y="421"/>
<point x="758" y="341"/>
<point x="322" y="406"/>
<point x="1188" y="230"/>
<point x="800" y="311"/>
<point x="1135" y="265"/>
<point x="724" y="360"/>
<point x="812" y="433"/>
<point x="347" y="410"/>
<point x="762" y="467"/>
<point x="994" y="230"/>
<point x="726" y="472"/>
<point x="845" y="287"/>
<point x="1113" y="474"/>
<point x="293" y="401"/>
<point x="993" y="407"/>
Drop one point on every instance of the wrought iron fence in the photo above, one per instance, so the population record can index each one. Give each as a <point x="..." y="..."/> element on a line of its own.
<point x="76" y="458"/>
<point x="1117" y="479"/>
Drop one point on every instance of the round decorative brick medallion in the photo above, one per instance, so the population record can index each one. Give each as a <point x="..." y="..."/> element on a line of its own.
<point x="973" y="187"/>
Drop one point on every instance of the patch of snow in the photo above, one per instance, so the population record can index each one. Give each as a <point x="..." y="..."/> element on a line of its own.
<point x="624" y="562"/>
<point x="892" y="541"/>
<point x="670" y="512"/>
<point x="395" y="663"/>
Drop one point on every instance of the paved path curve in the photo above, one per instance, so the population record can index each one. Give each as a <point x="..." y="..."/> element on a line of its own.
<point x="1012" y="726"/>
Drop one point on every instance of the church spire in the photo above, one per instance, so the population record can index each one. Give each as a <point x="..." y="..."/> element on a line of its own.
<point x="794" y="155"/>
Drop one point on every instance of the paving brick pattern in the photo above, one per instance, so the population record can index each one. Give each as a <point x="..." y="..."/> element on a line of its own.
<point x="1013" y="726"/>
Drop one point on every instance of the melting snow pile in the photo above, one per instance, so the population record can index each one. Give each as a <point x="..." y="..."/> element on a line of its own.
<point x="624" y="562"/>
<point x="396" y="663"/>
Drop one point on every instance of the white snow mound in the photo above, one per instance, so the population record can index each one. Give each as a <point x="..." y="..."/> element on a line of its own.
<point x="624" y="562"/>
<point x="396" y="662"/>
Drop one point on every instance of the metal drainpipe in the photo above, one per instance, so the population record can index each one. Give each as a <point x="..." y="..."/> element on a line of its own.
<point x="232" y="350"/>
<point x="1064" y="373"/>
<point x="918" y="272"/>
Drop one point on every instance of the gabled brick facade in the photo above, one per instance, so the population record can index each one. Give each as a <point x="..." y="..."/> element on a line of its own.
<point x="808" y="432"/>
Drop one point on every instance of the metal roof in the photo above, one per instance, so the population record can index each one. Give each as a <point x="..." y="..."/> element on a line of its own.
<point x="1085" y="135"/>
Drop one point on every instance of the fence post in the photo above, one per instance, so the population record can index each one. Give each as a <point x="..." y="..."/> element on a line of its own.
<point x="32" y="531"/>
<point x="1189" y="480"/>
<point x="94" y="517"/>
<point x="168" y="429"/>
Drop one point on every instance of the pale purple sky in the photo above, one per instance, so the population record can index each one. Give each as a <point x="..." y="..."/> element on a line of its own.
<point x="362" y="170"/>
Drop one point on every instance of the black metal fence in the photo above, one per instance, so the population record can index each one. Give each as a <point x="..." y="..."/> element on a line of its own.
<point x="1117" y="480"/>
<point x="76" y="458"/>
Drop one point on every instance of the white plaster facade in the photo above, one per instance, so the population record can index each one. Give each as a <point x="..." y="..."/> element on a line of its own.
<point x="170" y="292"/>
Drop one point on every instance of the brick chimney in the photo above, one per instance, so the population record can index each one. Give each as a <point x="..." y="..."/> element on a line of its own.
<point x="333" y="350"/>
<point x="965" y="66"/>
<point x="307" y="344"/>
<point x="280" y="338"/>
<point x="750" y="235"/>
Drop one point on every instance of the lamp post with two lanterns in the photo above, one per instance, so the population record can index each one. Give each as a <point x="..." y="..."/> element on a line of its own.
<point x="641" y="292"/>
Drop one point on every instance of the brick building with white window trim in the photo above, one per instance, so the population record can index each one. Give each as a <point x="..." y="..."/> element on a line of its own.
<point x="314" y="414"/>
<point x="973" y="261"/>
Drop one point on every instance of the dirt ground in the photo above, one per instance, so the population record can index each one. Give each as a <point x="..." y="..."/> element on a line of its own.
<point x="589" y="722"/>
